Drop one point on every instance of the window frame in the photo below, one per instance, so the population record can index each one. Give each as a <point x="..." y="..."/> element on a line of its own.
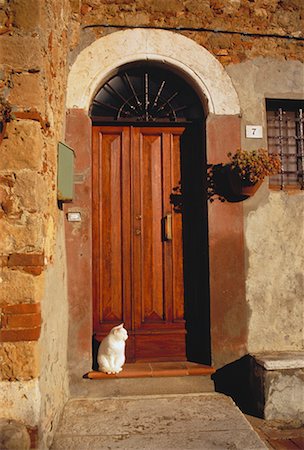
<point x="286" y="135"/>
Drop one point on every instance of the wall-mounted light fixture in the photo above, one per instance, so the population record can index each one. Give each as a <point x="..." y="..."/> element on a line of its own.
<point x="74" y="216"/>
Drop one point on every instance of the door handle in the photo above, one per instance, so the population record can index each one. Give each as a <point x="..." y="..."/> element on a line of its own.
<point x="168" y="227"/>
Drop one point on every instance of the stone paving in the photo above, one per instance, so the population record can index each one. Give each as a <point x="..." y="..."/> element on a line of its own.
<point x="279" y="435"/>
<point x="187" y="421"/>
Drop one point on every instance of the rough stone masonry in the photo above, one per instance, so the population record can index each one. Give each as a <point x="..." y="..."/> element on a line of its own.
<point x="38" y="43"/>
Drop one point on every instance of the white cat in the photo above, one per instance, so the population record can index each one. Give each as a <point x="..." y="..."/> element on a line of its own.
<point x="111" y="352"/>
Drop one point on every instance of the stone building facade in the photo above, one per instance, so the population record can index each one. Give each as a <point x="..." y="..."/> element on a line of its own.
<point x="54" y="57"/>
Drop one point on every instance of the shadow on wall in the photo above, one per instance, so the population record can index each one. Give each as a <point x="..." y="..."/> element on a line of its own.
<point x="223" y="184"/>
<point x="238" y="380"/>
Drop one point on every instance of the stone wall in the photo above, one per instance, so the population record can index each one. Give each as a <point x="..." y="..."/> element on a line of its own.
<point x="37" y="42"/>
<point x="33" y="313"/>
<point x="258" y="17"/>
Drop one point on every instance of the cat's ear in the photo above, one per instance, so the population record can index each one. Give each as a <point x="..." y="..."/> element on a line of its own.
<point x="118" y="327"/>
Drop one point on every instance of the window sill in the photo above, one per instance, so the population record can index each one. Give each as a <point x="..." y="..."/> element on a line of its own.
<point x="290" y="189"/>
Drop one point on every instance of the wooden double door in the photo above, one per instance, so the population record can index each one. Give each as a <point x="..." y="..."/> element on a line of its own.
<point x="137" y="239"/>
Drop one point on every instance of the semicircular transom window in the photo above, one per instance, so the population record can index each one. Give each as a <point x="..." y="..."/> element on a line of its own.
<point x="146" y="93"/>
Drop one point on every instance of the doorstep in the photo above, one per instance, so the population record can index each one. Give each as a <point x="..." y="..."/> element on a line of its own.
<point x="154" y="370"/>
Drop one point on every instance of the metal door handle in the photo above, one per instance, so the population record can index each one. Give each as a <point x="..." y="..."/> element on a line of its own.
<point x="168" y="227"/>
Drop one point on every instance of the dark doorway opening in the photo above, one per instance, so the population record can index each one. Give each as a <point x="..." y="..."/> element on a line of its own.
<point x="195" y="244"/>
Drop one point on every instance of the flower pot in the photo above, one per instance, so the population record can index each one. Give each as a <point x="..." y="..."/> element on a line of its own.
<point x="250" y="189"/>
<point x="241" y="187"/>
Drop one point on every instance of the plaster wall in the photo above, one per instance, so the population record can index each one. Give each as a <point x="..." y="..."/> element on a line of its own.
<point x="228" y="311"/>
<point x="79" y="250"/>
<point x="274" y="221"/>
<point x="274" y="236"/>
<point x="260" y="78"/>
<point x="53" y="380"/>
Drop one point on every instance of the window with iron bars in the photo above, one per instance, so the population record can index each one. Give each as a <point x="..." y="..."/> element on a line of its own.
<point x="285" y="129"/>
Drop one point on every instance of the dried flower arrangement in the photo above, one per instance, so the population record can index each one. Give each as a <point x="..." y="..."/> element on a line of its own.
<point x="253" y="166"/>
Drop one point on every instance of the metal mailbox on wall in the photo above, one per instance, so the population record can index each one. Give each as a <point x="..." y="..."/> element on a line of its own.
<point x="65" y="173"/>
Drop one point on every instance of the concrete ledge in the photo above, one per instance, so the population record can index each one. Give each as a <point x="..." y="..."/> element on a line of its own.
<point x="280" y="360"/>
<point x="277" y="384"/>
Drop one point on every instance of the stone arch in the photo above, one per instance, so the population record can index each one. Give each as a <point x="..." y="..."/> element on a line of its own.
<point x="97" y="62"/>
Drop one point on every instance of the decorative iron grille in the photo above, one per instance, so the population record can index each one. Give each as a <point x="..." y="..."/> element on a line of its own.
<point x="285" y="125"/>
<point x="146" y="93"/>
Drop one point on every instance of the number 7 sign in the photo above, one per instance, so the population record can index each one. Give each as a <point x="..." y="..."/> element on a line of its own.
<point x="254" y="131"/>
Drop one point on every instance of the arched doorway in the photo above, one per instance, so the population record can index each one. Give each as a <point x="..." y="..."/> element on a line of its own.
<point x="150" y="228"/>
<point x="93" y="67"/>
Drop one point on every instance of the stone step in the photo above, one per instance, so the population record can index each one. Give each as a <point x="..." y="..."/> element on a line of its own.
<point x="146" y="386"/>
<point x="155" y="369"/>
<point x="151" y="378"/>
<point x="156" y="422"/>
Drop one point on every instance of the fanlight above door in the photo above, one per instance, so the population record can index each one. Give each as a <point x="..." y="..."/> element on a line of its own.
<point x="146" y="93"/>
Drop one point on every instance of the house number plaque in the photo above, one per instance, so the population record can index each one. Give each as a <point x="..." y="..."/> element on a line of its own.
<point x="254" y="131"/>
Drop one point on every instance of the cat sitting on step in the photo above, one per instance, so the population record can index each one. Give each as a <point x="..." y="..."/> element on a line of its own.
<point x="111" y="352"/>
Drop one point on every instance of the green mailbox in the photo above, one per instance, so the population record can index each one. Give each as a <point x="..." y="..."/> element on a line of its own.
<point x="65" y="173"/>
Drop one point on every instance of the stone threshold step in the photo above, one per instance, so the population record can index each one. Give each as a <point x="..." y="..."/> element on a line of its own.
<point x="155" y="369"/>
<point x="158" y="422"/>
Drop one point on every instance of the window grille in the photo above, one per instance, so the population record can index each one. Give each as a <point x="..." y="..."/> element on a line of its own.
<point x="145" y="93"/>
<point x="285" y="125"/>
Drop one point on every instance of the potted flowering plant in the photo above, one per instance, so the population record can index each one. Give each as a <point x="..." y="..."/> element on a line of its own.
<point x="249" y="168"/>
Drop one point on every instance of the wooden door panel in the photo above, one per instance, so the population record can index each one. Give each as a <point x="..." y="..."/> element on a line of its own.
<point x="110" y="229"/>
<point x="160" y="347"/>
<point x="138" y="275"/>
<point x="158" y="314"/>
<point x="150" y="160"/>
<point x="111" y="226"/>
